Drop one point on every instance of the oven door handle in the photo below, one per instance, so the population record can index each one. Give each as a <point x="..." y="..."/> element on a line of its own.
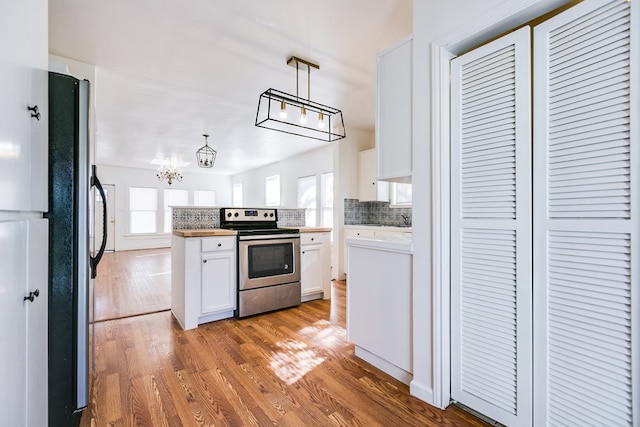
<point x="269" y="237"/>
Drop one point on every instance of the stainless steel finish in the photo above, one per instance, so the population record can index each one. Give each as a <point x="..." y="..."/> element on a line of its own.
<point x="83" y="192"/>
<point x="239" y="215"/>
<point x="255" y="301"/>
<point x="269" y="237"/>
<point x="244" y="282"/>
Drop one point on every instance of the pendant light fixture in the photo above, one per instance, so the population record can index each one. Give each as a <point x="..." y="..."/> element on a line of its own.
<point x="298" y="116"/>
<point x="170" y="172"/>
<point x="206" y="155"/>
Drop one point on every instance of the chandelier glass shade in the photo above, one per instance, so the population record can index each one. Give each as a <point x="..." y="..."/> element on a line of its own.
<point x="206" y="155"/>
<point x="294" y="115"/>
<point x="169" y="172"/>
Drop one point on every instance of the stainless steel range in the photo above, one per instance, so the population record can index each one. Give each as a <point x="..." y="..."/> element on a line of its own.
<point x="268" y="260"/>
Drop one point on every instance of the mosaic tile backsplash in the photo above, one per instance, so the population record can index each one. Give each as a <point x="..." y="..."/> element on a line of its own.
<point x="379" y="213"/>
<point x="194" y="218"/>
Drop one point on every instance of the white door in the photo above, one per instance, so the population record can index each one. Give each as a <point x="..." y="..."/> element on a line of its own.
<point x="586" y="263"/>
<point x="491" y="229"/>
<point x="110" y="194"/>
<point x="13" y="333"/>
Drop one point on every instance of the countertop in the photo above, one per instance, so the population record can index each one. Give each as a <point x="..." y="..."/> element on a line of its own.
<point x="312" y="229"/>
<point x="208" y="232"/>
<point x="395" y="243"/>
<point x="401" y="228"/>
<point x="205" y="232"/>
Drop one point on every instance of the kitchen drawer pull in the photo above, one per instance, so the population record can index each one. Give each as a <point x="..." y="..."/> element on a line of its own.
<point x="204" y="261"/>
<point x="219" y="244"/>
<point x="34" y="113"/>
<point x="32" y="295"/>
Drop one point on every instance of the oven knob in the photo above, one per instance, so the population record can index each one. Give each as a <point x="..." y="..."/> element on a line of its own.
<point x="236" y="214"/>
<point x="271" y="214"/>
<point x="266" y="214"/>
<point x="229" y="214"/>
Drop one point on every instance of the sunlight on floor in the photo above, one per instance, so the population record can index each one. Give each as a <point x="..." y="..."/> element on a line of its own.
<point x="295" y="358"/>
<point x="294" y="361"/>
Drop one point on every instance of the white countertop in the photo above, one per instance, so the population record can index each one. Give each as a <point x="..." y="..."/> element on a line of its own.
<point x="401" y="242"/>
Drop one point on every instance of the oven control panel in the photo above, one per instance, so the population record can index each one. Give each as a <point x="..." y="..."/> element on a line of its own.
<point x="248" y="214"/>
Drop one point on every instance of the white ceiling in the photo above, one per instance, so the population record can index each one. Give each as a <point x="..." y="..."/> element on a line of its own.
<point x="169" y="71"/>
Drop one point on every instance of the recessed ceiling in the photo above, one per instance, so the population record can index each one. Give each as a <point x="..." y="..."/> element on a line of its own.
<point x="169" y="71"/>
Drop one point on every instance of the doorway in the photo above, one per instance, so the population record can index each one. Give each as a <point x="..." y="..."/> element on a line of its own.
<point x="110" y="195"/>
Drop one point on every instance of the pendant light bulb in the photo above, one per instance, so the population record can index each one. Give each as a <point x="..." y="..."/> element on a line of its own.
<point x="320" y="121"/>
<point x="303" y="116"/>
<point x="283" y="110"/>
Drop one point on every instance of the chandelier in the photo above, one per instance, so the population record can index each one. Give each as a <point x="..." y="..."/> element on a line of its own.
<point x="206" y="155"/>
<point x="298" y="116"/>
<point x="169" y="172"/>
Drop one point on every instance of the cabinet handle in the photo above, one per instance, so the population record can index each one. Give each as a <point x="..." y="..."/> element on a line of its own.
<point x="32" y="295"/>
<point x="219" y="244"/>
<point x="34" y="112"/>
<point x="204" y="261"/>
<point x="312" y="239"/>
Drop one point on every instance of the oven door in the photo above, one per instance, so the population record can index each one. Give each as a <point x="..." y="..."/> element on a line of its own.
<point x="268" y="260"/>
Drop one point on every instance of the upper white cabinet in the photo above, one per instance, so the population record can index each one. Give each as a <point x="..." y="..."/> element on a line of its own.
<point x="369" y="188"/>
<point x="393" y="112"/>
<point x="23" y="85"/>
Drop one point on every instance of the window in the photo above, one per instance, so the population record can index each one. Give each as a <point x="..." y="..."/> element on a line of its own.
<point x="236" y="195"/>
<point x="326" y="201"/>
<point x="400" y="193"/>
<point x="143" y="207"/>
<point x="173" y="198"/>
<point x="307" y="199"/>
<point x="204" y="198"/>
<point x="272" y="190"/>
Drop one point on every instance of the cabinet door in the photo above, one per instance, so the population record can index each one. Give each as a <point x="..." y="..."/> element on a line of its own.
<point x="393" y="110"/>
<point x="311" y="276"/>
<point x="13" y="330"/>
<point x="218" y="282"/>
<point x="23" y="139"/>
<point x="369" y="188"/>
<point x="37" y="324"/>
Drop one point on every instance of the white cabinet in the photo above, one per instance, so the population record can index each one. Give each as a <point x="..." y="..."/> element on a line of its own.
<point x="218" y="275"/>
<point x="394" y="112"/>
<point x="315" y="265"/>
<point x="203" y="279"/>
<point x="369" y="188"/>
<point x="369" y="232"/>
<point x="23" y="345"/>
<point x="23" y="84"/>
<point x="379" y="308"/>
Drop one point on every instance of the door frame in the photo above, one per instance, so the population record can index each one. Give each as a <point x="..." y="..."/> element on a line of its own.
<point x="509" y="16"/>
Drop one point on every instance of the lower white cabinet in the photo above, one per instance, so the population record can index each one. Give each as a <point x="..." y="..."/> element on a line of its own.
<point x="315" y="265"/>
<point x="203" y="279"/>
<point x="218" y="282"/>
<point x="23" y="316"/>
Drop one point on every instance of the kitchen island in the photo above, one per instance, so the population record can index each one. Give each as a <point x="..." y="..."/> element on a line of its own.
<point x="379" y="308"/>
<point x="203" y="275"/>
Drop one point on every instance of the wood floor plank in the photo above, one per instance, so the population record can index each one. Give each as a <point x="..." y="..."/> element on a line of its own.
<point x="292" y="367"/>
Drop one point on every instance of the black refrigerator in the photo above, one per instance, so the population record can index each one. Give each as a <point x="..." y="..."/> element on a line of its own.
<point x="73" y="255"/>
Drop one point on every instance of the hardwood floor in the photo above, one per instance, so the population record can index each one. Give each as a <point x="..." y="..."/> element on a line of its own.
<point x="131" y="283"/>
<point x="291" y="367"/>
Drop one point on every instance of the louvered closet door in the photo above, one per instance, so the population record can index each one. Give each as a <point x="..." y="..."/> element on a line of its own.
<point x="586" y="216"/>
<point x="491" y="229"/>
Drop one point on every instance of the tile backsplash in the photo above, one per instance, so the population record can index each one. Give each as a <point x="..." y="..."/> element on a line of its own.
<point x="198" y="218"/>
<point x="380" y="213"/>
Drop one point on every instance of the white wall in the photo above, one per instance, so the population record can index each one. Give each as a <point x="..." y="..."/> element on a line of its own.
<point x="123" y="178"/>
<point x="455" y="25"/>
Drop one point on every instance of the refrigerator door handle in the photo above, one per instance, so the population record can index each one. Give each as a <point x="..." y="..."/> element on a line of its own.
<point x="96" y="260"/>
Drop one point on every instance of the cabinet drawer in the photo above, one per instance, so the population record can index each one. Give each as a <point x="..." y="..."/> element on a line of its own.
<point x="210" y="244"/>
<point x="310" y="238"/>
